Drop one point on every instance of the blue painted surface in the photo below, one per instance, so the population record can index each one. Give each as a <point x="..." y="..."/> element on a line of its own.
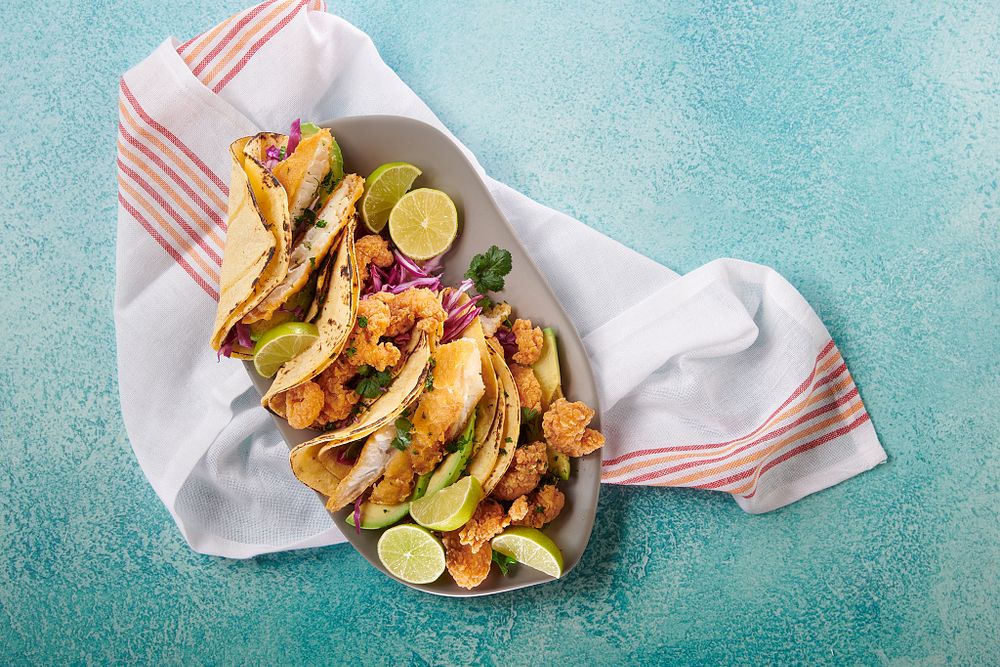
<point x="852" y="147"/>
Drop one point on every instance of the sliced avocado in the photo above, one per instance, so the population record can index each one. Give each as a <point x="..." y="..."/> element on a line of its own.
<point x="451" y="468"/>
<point x="558" y="463"/>
<point x="308" y="129"/>
<point x="374" y="515"/>
<point x="547" y="367"/>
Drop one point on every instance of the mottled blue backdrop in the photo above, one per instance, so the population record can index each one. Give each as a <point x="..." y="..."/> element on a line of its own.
<point x="853" y="146"/>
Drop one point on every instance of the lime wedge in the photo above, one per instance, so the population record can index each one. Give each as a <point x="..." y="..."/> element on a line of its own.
<point x="450" y="508"/>
<point x="411" y="553"/>
<point x="281" y="343"/>
<point x="336" y="162"/>
<point x="386" y="185"/>
<point x="531" y="547"/>
<point x="423" y="223"/>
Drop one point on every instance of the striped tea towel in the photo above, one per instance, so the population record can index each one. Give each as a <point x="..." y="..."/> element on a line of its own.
<point x="721" y="379"/>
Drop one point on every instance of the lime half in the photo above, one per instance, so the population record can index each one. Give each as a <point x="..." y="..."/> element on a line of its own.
<point x="531" y="547"/>
<point x="386" y="186"/>
<point x="424" y="223"/>
<point x="450" y="508"/>
<point x="411" y="553"/>
<point x="281" y="343"/>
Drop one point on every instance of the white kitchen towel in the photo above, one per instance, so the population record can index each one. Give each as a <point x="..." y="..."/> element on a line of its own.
<point x="721" y="379"/>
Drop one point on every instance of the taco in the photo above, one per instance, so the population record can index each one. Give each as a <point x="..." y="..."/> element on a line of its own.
<point x="288" y="206"/>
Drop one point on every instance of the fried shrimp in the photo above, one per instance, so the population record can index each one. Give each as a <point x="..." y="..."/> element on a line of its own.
<point x="397" y="483"/>
<point x="565" y="427"/>
<point x="467" y="567"/>
<point x="537" y="508"/>
<point x="528" y="388"/>
<point x="363" y="347"/>
<point x="529" y="342"/>
<point x="371" y="249"/>
<point x="493" y="317"/>
<point x="490" y="519"/>
<point x="303" y="404"/>
<point x="339" y="399"/>
<point x="524" y="473"/>
<point x="416" y="308"/>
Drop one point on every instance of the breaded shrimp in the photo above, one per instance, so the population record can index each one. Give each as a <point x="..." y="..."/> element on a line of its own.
<point x="303" y="404"/>
<point x="442" y="413"/>
<point x="397" y="483"/>
<point x="371" y="249"/>
<point x="417" y="308"/>
<point x="467" y="567"/>
<point x="529" y="342"/>
<point x="524" y="473"/>
<point x="565" y="428"/>
<point x="339" y="398"/>
<point x="490" y="519"/>
<point x="493" y="317"/>
<point x="528" y="388"/>
<point x="363" y="346"/>
<point x="538" y="508"/>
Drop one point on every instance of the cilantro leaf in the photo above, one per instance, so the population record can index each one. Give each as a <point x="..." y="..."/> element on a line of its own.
<point x="488" y="269"/>
<point x="373" y="385"/>
<point x="321" y="223"/>
<point x="362" y="321"/>
<point x="503" y="562"/>
<point x="404" y="432"/>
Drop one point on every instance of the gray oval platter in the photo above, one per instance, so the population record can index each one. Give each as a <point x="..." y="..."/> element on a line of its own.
<point x="367" y="142"/>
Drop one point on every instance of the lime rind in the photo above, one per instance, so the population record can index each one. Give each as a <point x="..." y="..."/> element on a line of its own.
<point x="450" y="508"/>
<point x="532" y="548"/>
<point x="411" y="553"/>
<point x="383" y="189"/>
<point x="280" y="344"/>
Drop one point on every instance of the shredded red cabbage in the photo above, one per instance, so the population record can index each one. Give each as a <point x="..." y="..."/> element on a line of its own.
<point x="238" y="335"/>
<point x="459" y="316"/>
<point x="357" y="515"/>
<point x="243" y="336"/>
<point x="273" y="157"/>
<point x="294" y="136"/>
<point x="401" y="275"/>
<point x="507" y="341"/>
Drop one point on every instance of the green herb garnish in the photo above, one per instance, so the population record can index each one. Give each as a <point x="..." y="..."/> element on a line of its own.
<point x="373" y="383"/>
<point x="503" y="562"/>
<point x="487" y="270"/>
<point x="321" y="223"/>
<point x="404" y="431"/>
<point x="362" y="321"/>
<point x="351" y="351"/>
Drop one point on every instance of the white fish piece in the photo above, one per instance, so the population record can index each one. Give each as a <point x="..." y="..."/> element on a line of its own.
<point x="371" y="465"/>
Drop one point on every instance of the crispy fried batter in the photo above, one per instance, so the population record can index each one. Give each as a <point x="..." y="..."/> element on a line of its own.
<point x="490" y="519"/>
<point x="397" y="483"/>
<point x="467" y="567"/>
<point x="371" y="249"/>
<point x="440" y="410"/>
<point x="303" y="404"/>
<point x="363" y="347"/>
<point x="417" y="308"/>
<point x="524" y="473"/>
<point x="529" y="342"/>
<point x="339" y="398"/>
<point x="538" y="508"/>
<point x="528" y="388"/>
<point x="493" y="317"/>
<point x="565" y="428"/>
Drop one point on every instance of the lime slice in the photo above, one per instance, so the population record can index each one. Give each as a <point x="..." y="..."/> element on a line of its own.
<point x="336" y="162"/>
<point x="530" y="547"/>
<point x="386" y="185"/>
<point x="423" y="223"/>
<point x="411" y="553"/>
<point x="449" y="508"/>
<point x="281" y="343"/>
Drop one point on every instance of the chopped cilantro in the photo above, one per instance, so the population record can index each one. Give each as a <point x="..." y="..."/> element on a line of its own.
<point x="362" y="321"/>
<point x="503" y="562"/>
<point x="320" y="223"/>
<point x="365" y="370"/>
<point x="460" y="442"/>
<point x="404" y="431"/>
<point x="429" y="382"/>
<point x="312" y="262"/>
<point x="487" y="270"/>
<point x="307" y="217"/>
<point x="351" y="351"/>
<point x="281" y="155"/>
<point x="509" y="439"/>
<point x="373" y="385"/>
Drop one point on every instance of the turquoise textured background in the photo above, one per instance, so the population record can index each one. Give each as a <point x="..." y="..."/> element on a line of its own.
<point x="853" y="146"/>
